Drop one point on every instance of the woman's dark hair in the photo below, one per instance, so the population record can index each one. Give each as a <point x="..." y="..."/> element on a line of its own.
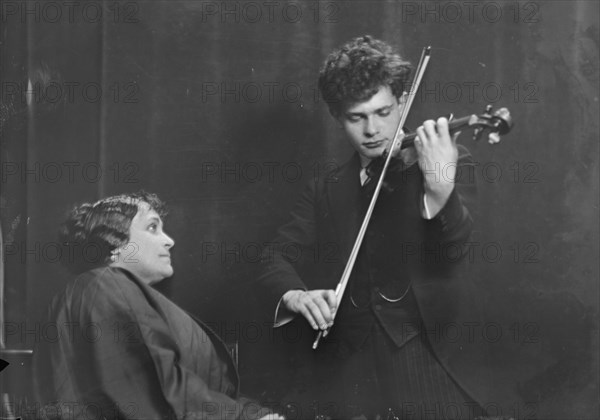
<point x="356" y="71"/>
<point x="93" y="230"/>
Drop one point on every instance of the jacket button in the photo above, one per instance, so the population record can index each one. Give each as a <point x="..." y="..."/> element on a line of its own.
<point x="378" y="307"/>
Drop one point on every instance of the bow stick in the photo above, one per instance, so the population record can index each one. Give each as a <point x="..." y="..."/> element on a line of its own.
<point x="341" y="287"/>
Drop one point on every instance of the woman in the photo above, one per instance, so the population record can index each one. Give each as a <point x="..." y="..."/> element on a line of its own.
<point x="121" y="349"/>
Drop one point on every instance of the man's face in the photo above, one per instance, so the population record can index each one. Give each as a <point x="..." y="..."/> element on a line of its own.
<point x="371" y="125"/>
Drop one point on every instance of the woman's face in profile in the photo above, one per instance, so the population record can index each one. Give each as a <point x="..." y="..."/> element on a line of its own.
<point x="147" y="254"/>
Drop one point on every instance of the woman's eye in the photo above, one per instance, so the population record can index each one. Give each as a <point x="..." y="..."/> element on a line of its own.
<point x="152" y="227"/>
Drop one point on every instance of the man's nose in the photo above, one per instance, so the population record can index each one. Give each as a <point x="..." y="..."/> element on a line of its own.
<point x="370" y="127"/>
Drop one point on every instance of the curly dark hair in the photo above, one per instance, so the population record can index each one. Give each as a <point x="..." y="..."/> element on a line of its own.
<point x="356" y="71"/>
<point x="93" y="230"/>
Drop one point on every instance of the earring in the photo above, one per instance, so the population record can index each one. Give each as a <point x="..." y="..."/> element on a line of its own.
<point x="113" y="256"/>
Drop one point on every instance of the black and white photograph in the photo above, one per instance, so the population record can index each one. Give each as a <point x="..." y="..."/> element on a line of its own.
<point x="299" y="210"/>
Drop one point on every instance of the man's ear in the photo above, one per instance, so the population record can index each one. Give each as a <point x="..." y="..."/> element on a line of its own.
<point x="402" y="102"/>
<point x="403" y="98"/>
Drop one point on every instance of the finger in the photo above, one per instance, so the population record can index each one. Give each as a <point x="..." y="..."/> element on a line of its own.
<point x="443" y="129"/>
<point x="419" y="138"/>
<point x="303" y="306"/>
<point x="323" y="307"/>
<point x="430" y="131"/>
<point x="442" y="126"/>
<point x="331" y="298"/>
<point x="493" y="138"/>
<point x="455" y="136"/>
<point x="316" y="313"/>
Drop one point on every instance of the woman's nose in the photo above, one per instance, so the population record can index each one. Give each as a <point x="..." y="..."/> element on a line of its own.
<point x="169" y="243"/>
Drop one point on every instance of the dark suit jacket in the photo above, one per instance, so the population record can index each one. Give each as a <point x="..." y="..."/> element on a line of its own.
<point x="121" y="349"/>
<point x="401" y="248"/>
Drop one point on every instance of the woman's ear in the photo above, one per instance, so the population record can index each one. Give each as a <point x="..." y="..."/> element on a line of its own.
<point x="114" y="254"/>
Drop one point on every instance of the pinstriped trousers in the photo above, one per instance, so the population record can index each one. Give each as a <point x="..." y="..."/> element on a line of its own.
<point x="406" y="382"/>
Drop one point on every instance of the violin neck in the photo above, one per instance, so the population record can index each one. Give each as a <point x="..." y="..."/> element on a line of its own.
<point x="453" y="126"/>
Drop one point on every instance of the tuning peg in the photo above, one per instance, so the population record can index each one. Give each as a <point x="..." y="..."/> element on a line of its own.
<point x="477" y="133"/>
<point x="505" y="122"/>
<point x="493" y="138"/>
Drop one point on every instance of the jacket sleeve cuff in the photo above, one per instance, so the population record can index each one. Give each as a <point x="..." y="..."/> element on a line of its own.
<point x="282" y="315"/>
<point x="451" y="214"/>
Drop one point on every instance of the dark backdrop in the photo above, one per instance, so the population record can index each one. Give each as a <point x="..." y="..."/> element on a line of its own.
<point x="213" y="106"/>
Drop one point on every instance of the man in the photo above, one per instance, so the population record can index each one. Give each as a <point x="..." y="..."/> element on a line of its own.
<point x="377" y="357"/>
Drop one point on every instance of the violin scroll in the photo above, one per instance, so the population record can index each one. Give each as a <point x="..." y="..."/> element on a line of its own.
<point x="499" y="122"/>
